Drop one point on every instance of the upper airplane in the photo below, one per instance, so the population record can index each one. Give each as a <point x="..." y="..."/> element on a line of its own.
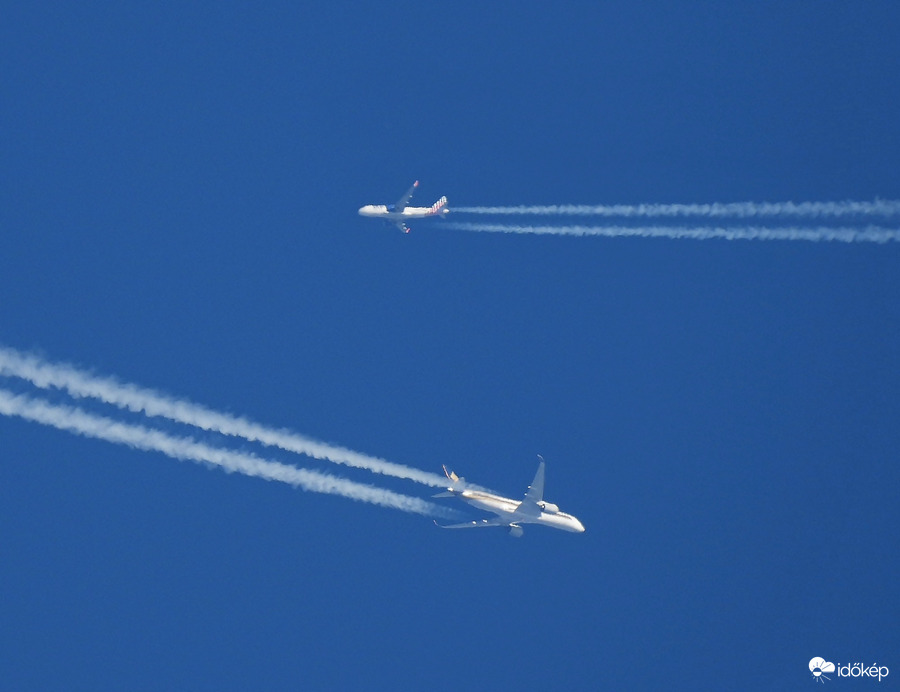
<point x="400" y="213"/>
<point x="511" y="513"/>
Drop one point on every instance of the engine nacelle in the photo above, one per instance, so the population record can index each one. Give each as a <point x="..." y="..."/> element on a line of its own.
<point x="516" y="531"/>
<point x="548" y="507"/>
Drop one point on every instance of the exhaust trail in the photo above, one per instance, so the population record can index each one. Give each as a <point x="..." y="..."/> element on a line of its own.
<point x="870" y="234"/>
<point x="81" y="422"/>
<point x="81" y="384"/>
<point x="735" y="210"/>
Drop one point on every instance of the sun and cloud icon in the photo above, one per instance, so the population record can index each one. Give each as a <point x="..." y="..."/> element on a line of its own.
<point x="818" y="667"/>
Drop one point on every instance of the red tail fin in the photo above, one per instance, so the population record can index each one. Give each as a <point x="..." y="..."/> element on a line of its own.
<point x="438" y="206"/>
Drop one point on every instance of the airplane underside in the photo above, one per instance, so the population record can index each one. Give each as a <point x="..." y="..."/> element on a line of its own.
<point x="399" y="213"/>
<point x="512" y="514"/>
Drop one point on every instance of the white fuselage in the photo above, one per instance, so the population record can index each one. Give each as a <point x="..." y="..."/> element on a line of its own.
<point x="509" y="510"/>
<point x="381" y="211"/>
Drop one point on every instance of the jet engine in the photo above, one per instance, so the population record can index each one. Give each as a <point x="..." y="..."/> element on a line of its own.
<point x="516" y="531"/>
<point x="548" y="507"/>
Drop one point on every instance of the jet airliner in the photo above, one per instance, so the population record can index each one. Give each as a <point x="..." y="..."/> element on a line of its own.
<point x="532" y="509"/>
<point x="400" y="212"/>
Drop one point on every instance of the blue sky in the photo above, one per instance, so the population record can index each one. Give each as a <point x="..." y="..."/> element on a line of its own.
<point x="178" y="196"/>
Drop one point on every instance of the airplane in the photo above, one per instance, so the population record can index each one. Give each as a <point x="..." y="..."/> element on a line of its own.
<point x="400" y="213"/>
<point x="532" y="509"/>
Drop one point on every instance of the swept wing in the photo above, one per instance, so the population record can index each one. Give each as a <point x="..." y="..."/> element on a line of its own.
<point x="496" y="521"/>
<point x="531" y="503"/>
<point x="404" y="201"/>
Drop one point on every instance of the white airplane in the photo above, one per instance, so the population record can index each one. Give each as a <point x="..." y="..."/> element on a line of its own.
<point x="400" y="213"/>
<point x="511" y="513"/>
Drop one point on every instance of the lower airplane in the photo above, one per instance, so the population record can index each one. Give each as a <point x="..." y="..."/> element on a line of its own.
<point x="532" y="509"/>
<point x="400" y="213"/>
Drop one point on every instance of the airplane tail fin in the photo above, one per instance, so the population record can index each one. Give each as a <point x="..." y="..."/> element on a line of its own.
<point x="457" y="484"/>
<point x="439" y="207"/>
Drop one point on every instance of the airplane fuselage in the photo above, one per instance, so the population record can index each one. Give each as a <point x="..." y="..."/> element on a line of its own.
<point x="383" y="211"/>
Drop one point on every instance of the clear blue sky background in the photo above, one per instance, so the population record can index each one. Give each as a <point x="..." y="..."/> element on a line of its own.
<point x="178" y="196"/>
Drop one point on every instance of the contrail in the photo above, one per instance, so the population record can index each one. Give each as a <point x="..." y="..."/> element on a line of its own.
<point x="130" y="397"/>
<point x="736" y="210"/>
<point x="81" y="422"/>
<point x="870" y="234"/>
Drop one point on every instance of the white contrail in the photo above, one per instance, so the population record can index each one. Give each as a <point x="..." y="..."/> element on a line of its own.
<point x="81" y="422"/>
<point x="130" y="397"/>
<point x="737" y="210"/>
<point x="870" y="234"/>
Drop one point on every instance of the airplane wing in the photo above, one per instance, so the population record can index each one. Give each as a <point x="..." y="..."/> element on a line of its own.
<point x="535" y="492"/>
<point x="496" y="521"/>
<point x="403" y="201"/>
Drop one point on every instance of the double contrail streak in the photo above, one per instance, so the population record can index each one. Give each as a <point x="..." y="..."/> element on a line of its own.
<point x="81" y="384"/>
<point x="736" y="210"/>
<point x="870" y="234"/>
<point x="81" y="422"/>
